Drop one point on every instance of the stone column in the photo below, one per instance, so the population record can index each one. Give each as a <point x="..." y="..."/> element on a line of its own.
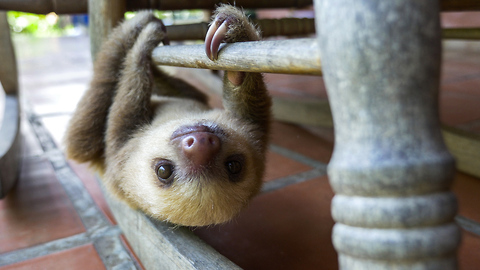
<point x="390" y="168"/>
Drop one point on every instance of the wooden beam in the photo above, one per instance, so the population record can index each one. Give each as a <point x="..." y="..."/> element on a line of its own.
<point x="81" y="6"/>
<point x="465" y="147"/>
<point x="461" y="33"/>
<point x="10" y="140"/>
<point x="459" y="5"/>
<point x="269" y="28"/>
<point x="8" y="68"/>
<point x="293" y="56"/>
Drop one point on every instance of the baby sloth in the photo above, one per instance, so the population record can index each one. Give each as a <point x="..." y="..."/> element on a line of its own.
<point x="153" y="138"/>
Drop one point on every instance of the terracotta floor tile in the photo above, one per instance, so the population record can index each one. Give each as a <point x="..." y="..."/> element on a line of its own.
<point x="81" y="258"/>
<point x="37" y="210"/>
<point x="470" y="86"/>
<point x="279" y="166"/>
<point x="456" y="70"/>
<point x="468" y="254"/>
<point x="460" y="19"/>
<point x="286" y="229"/>
<point x="467" y="189"/>
<point x="57" y="125"/>
<point x="302" y="141"/>
<point x="458" y="108"/>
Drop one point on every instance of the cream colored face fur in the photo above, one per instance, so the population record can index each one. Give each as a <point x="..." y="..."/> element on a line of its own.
<point x="192" y="198"/>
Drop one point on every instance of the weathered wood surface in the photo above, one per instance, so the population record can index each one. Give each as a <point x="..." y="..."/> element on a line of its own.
<point x="161" y="245"/>
<point x="390" y="168"/>
<point x="10" y="144"/>
<point x="10" y="138"/>
<point x="269" y="28"/>
<point x="294" y="56"/>
<point x="461" y="33"/>
<point x="8" y="66"/>
<point x="104" y="15"/>
<point x="81" y="6"/>
<point x="459" y="5"/>
<point x="465" y="147"/>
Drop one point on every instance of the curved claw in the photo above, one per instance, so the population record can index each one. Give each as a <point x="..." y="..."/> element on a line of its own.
<point x="208" y="39"/>
<point x="215" y="36"/>
<point x="218" y="38"/>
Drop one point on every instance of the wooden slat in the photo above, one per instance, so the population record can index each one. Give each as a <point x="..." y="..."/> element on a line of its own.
<point x="293" y="56"/>
<point x="8" y="66"/>
<point x="459" y="5"/>
<point x="80" y="6"/>
<point x="10" y="140"/>
<point x="461" y="33"/>
<point x="465" y="147"/>
<point x="269" y="28"/>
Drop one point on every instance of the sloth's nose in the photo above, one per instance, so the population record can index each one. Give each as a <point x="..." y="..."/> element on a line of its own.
<point x="200" y="148"/>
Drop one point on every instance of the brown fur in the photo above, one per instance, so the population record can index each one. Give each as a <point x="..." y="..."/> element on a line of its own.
<point x="126" y="123"/>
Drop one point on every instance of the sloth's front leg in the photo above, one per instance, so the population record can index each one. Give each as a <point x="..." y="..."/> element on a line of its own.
<point x="244" y="93"/>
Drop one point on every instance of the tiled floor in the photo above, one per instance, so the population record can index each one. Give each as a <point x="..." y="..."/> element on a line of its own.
<point x="57" y="218"/>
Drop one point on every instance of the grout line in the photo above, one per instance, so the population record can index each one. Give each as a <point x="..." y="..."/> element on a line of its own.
<point x="88" y="211"/>
<point x="290" y="180"/>
<point x="468" y="224"/>
<point x="43" y="249"/>
<point x="319" y="169"/>
<point x="298" y="157"/>
<point x="54" y="114"/>
<point x="113" y="253"/>
<point x="57" y="245"/>
<point x="108" y="245"/>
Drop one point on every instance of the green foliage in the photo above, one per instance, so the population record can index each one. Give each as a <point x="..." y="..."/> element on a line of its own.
<point x="35" y="24"/>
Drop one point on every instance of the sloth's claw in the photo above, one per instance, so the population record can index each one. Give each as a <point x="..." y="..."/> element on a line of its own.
<point x="215" y="36"/>
<point x="208" y="39"/>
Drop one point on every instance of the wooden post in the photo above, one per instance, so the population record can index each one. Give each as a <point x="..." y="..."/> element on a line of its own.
<point x="10" y="138"/>
<point x="8" y="68"/>
<point x="390" y="169"/>
<point x="104" y="15"/>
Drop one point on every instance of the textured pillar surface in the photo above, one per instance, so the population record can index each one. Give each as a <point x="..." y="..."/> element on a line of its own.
<point x="390" y="169"/>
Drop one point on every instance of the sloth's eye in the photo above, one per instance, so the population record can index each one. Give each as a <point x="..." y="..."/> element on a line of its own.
<point x="234" y="167"/>
<point x="164" y="171"/>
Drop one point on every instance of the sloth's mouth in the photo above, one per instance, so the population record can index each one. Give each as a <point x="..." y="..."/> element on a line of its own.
<point x="200" y="127"/>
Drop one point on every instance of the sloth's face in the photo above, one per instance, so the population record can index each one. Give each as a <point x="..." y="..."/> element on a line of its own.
<point x="196" y="174"/>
